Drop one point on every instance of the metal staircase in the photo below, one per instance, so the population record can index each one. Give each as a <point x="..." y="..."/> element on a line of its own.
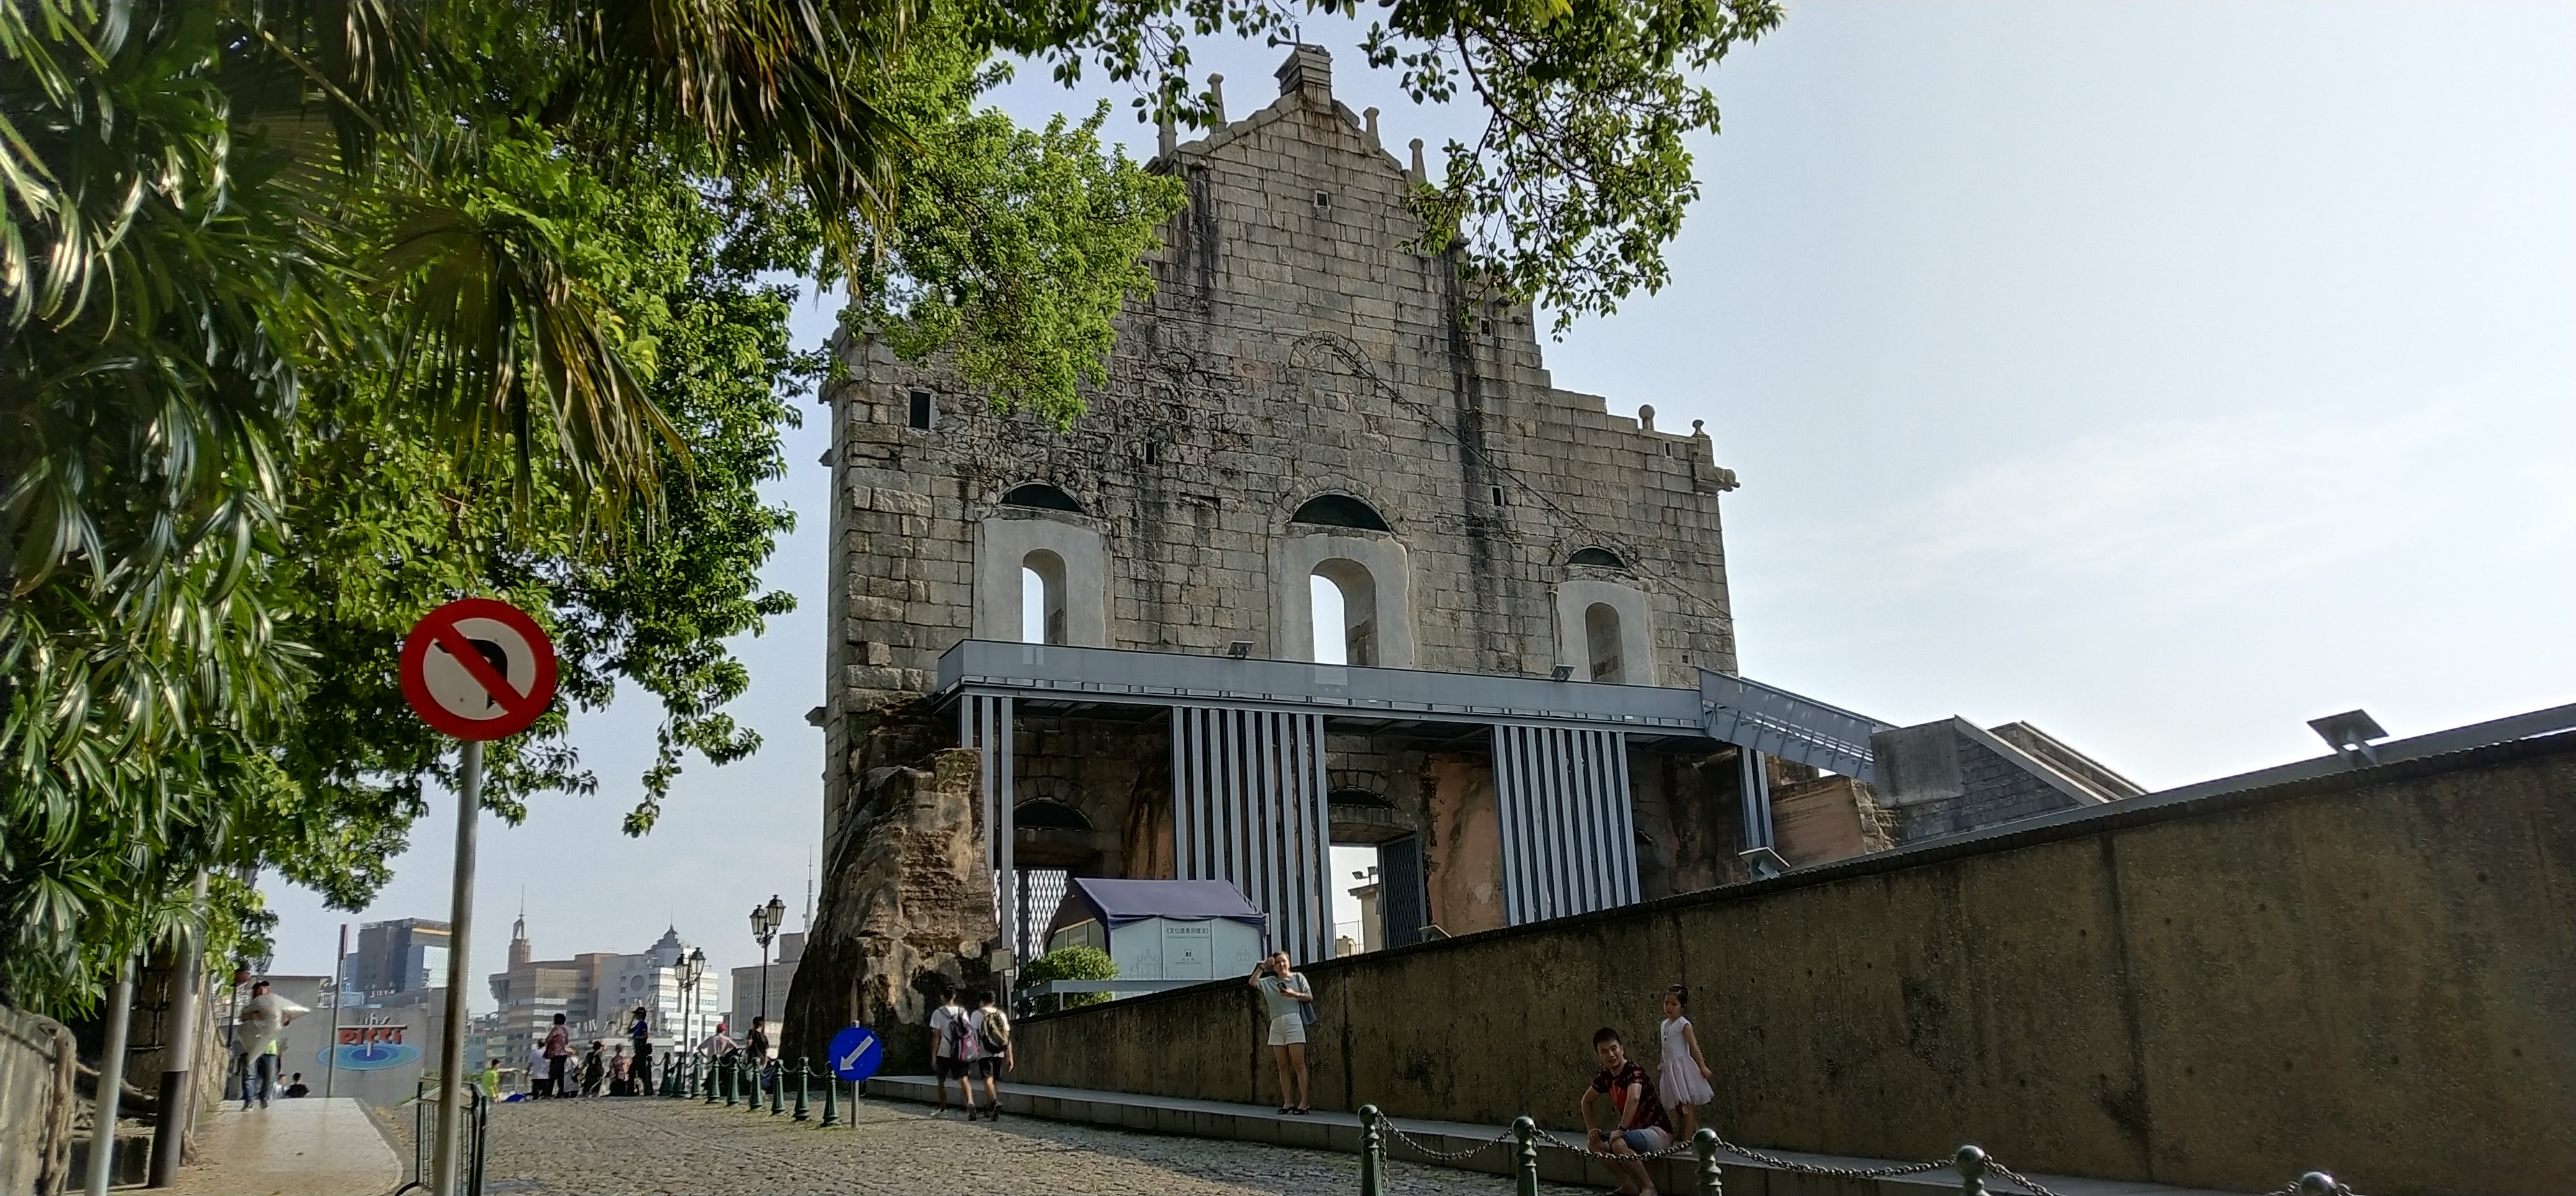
<point x="1775" y="722"/>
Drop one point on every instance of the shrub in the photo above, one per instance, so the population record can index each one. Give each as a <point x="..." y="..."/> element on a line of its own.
<point x="1069" y="963"/>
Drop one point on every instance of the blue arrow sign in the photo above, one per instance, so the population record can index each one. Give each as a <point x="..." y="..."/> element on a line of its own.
<point x="856" y="1054"/>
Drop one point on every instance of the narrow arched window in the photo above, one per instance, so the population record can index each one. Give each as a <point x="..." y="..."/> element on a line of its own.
<point x="1601" y="642"/>
<point x="1042" y="598"/>
<point x="1345" y="607"/>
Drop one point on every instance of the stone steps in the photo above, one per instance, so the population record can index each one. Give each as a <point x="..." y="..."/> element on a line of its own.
<point x="1325" y="1130"/>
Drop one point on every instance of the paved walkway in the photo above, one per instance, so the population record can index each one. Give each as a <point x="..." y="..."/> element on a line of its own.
<point x="625" y="1147"/>
<point x="316" y="1146"/>
<point x="1474" y="1147"/>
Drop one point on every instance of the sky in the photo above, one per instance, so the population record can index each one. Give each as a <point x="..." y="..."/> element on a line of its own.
<point x="2163" y="374"/>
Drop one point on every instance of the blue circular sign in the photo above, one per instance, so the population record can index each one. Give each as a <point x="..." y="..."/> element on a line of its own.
<point x="856" y="1053"/>
<point x="372" y="1056"/>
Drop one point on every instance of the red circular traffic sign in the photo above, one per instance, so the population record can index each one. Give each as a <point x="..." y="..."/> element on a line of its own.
<point x="478" y="668"/>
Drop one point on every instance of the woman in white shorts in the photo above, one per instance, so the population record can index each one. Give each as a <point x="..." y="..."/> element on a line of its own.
<point x="1286" y="996"/>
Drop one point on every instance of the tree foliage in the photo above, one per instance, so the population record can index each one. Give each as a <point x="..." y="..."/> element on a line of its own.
<point x="316" y="314"/>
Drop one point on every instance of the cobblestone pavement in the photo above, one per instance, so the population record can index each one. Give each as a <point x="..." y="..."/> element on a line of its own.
<point x="661" y="1146"/>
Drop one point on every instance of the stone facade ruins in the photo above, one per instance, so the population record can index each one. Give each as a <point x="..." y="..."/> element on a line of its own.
<point x="1303" y="400"/>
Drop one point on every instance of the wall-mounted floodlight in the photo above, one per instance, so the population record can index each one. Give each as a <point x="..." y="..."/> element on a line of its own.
<point x="2349" y="734"/>
<point x="1763" y="863"/>
<point x="1563" y="672"/>
<point x="1239" y="649"/>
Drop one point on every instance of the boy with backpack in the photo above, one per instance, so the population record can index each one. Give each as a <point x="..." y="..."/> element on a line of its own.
<point x="945" y="1023"/>
<point x="991" y="1031"/>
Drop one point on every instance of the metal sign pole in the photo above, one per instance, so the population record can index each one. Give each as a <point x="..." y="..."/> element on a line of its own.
<point x="460" y="918"/>
<point x="339" y="988"/>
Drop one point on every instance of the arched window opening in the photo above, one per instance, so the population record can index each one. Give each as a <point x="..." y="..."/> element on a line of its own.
<point x="1340" y="510"/>
<point x="1601" y="639"/>
<point x="1042" y="598"/>
<point x="1345" y="605"/>
<point x="1041" y="496"/>
<point x="1358" y="797"/>
<point x="1602" y="557"/>
<point x="1048" y="814"/>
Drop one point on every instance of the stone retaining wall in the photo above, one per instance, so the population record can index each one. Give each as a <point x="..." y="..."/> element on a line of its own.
<point x="37" y="1062"/>
<point x="2368" y="974"/>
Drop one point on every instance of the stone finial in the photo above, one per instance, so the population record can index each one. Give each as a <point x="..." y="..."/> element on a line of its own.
<point x="1646" y="417"/>
<point x="1166" y="136"/>
<point x="1699" y="427"/>
<point x="1308" y="72"/>
<point x="1417" y="173"/>
<point x="1216" y="98"/>
<point x="1371" y="117"/>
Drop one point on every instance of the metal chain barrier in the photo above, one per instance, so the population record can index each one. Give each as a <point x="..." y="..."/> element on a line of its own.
<point x="1449" y="1156"/>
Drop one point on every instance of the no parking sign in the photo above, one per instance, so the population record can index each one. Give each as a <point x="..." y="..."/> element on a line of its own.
<point x="478" y="669"/>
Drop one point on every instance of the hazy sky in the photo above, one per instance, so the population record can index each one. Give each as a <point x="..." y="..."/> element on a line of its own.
<point x="2164" y="374"/>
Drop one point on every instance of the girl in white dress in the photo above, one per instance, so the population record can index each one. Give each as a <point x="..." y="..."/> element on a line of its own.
<point x="1684" y="1082"/>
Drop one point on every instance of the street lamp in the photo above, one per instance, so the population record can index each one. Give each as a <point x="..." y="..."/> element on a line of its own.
<point x="692" y="966"/>
<point x="765" y="921"/>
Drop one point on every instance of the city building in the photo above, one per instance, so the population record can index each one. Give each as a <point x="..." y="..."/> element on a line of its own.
<point x="400" y="956"/>
<point x="747" y="984"/>
<point x="598" y="992"/>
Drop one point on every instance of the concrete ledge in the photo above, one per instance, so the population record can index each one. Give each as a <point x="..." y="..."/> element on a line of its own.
<point x="1340" y="1133"/>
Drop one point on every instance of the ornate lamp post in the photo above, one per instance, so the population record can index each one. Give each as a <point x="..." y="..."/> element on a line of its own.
<point x="692" y="966"/>
<point x="765" y="921"/>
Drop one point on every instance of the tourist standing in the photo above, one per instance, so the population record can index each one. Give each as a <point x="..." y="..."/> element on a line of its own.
<point x="1290" y="1002"/>
<point x="943" y="1051"/>
<point x="558" y="1058"/>
<point x="757" y="1042"/>
<point x="1685" y="1073"/>
<point x="538" y="1084"/>
<point x="594" y="1069"/>
<point x="621" y="1080"/>
<point x="993" y="1055"/>
<point x="640" y="1033"/>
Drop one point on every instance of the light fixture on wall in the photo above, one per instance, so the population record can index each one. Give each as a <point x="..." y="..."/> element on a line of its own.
<point x="1239" y="649"/>
<point x="1563" y="672"/>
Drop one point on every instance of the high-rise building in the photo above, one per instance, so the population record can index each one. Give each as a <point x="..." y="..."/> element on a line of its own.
<point x="747" y="986"/>
<point x="403" y="955"/>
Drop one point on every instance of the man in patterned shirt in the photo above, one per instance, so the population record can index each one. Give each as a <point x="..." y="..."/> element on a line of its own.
<point x="1637" y="1127"/>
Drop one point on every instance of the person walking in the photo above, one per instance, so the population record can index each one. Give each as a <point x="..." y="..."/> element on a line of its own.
<point x="1290" y="1001"/>
<point x="559" y="1058"/>
<point x="993" y="1056"/>
<point x="1685" y="1077"/>
<point x="943" y="1051"/>
<point x="594" y="1069"/>
<point x="257" y="1032"/>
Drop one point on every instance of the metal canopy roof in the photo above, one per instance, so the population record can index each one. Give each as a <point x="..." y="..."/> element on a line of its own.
<point x="1059" y="674"/>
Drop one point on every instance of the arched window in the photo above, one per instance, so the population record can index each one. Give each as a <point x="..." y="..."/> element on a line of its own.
<point x="1041" y="496"/>
<point x="1042" y="598"/>
<point x="1048" y="814"/>
<point x="1345" y="606"/>
<point x="1601" y="640"/>
<point x="1602" y="557"/>
<point x="1339" y="510"/>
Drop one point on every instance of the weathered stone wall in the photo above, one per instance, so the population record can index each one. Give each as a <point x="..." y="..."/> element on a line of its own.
<point x="1293" y="349"/>
<point x="37" y="1062"/>
<point x="906" y="908"/>
<point x="2367" y="974"/>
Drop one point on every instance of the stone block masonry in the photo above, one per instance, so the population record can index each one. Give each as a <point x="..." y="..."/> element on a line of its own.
<point x="1293" y="348"/>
